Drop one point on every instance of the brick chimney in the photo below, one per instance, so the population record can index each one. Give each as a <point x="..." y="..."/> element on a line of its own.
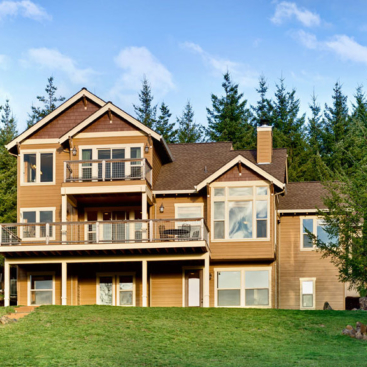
<point x="264" y="142"/>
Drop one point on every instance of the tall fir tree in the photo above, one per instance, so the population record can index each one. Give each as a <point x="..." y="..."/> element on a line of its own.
<point x="230" y="119"/>
<point x="314" y="168"/>
<point x="50" y="103"/>
<point x="359" y="110"/>
<point x="164" y="127"/>
<point x="288" y="128"/>
<point x="8" y="167"/>
<point x="146" y="112"/>
<point x="336" y="127"/>
<point x="264" y="108"/>
<point x="188" y="131"/>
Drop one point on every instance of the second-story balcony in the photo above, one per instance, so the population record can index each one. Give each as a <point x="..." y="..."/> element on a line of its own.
<point x="170" y="236"/>
<point x="98" y="170"/>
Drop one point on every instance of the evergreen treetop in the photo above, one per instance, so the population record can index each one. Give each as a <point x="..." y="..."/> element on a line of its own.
<point x="188" y="131"/>
<point x="164" y="127"/>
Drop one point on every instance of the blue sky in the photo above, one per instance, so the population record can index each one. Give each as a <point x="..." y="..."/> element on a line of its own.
<point x="183" y="48"/>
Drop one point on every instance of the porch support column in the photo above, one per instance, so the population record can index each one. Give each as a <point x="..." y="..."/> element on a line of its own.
<point x="6" y="283"/>
<point x="206" y="281"/>
<point x="64" y="277"/>
<point x="144" y="279"/>
<point x="64" y="208"/>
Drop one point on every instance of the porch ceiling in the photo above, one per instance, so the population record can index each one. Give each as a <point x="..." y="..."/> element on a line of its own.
<point x="108" y="199"/>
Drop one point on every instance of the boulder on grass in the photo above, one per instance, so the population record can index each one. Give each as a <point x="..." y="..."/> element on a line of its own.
<point x="363" y="303"/>
<point x="327" y="306"/>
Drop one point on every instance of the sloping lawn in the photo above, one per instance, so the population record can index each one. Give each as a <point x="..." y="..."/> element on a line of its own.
<point x="111" y="336"/>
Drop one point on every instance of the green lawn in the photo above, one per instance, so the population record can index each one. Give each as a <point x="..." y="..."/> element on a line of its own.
<point x="111" y="336"/>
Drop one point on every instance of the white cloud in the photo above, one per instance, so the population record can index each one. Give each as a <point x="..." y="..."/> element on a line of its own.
<point x="25" y="8"/>
<point x="286" y="10"/>
<point x="308" y="40"/>
<point x="54" y="60"/>
<point x="241" y="73"/>
<point x="347" y="48"/>
<point x="137" y="62"/>
<point x="342" y="45"/>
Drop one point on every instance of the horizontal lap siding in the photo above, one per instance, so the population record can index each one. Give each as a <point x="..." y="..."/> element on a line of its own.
<point x="295" y="264"/>
<point x="264" y="146"/>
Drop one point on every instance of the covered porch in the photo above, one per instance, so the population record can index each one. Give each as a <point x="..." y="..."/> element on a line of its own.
<point x="155" y="280"/>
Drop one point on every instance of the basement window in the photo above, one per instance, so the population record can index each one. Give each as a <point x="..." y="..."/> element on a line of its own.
<point x="307" y="292"/>
<point x="41" y="290"/>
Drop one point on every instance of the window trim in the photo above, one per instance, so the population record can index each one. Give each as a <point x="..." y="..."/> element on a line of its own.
<point x="37" y="273"/>
<point x="38" y="153"/>
<point x="115" y="287"/>
<point x="242" y="270"/>
<point x="313" y="280"/>
<point x="37" y="211"/>
<point x="226" y="198"/>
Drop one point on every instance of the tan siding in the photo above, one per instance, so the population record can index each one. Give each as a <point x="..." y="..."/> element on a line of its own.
<point x="166" y="289"/>
<point x="157" y="165"/>
<point x="295" y="264"/>
<point x="66" y="121"/>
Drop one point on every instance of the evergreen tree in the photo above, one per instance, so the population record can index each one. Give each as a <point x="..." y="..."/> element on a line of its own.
<point x="314" y="168"/>
<point x="146" y="112"/>
<point x="164" y="127"/>
<point x="230" y="119"/>
<point x="264" y="107"/>
<point x="288" y="128"/>
<point x="336" y="126"/>
<point x="188" y="131"/>
<point x="49" y="104"/>
<point x="8" y="168"/>
<point x="360" y="106"/>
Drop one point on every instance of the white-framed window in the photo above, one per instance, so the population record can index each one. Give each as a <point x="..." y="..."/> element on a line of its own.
<point x="41" y="289"/>
<point x="316" y="226"/>
<point x="243" y="287"/>
<point x="111" y="170"/>
<point x="31" y="216"/>
<point x="190" y="211"/>
<point x="116" y="289"/>
<point x="307" y="293"/>
<point x="240" y="211"/>
<point x="38" y="167"/>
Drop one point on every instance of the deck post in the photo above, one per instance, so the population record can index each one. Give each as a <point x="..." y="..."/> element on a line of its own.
<point x="64" y="208"/>
<point x="144" y="215"/>
<point x="64" y="277"/>
<point x="206" y="281"/>
<point x="6" y="283"/>
<point x="144" y="279"/>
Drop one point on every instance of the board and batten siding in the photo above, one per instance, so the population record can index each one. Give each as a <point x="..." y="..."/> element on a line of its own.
<point x="295" y="264"/>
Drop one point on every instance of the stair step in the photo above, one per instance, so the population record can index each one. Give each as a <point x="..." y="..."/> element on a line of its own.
<point x="25" y="309"/>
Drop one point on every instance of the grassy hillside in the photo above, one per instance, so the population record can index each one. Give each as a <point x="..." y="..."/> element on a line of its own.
<point x="112" y="336"/>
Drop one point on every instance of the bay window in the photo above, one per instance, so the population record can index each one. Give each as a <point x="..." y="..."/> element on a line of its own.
<point x="315" y="226"/>
<point x="243" y="287"/>
<point x="240" y="212"/>
<point x="38" y="167"/>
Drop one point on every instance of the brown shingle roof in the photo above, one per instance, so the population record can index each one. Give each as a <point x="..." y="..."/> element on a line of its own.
<point x="188" y="168"/>
<point x="303" y="195"/>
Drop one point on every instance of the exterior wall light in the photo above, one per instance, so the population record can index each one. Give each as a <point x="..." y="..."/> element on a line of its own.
<point x="161" y="208"/>
<point x="146" y="149"/>
<point x="74" y="151"/>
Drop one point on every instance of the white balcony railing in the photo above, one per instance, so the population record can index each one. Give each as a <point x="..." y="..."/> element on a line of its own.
<point x="101" y="232"/>
<point x="107" y="170"/>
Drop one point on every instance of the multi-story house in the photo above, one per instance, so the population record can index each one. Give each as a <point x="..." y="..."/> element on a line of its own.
<point x="108" y="213"/>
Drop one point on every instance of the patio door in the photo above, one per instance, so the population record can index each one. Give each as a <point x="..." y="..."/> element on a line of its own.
<point x="114" y="170"/>
<point x="194" y="288"/>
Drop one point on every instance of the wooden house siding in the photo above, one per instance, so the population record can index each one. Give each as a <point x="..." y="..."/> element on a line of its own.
<point x="104" y="124"/>
<point x="295" y="264"/>
<point x="234" y="174"/>
<point x="264" y="146"/>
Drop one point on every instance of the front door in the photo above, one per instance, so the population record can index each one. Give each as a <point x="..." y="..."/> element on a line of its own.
<point x="194" y="291"/>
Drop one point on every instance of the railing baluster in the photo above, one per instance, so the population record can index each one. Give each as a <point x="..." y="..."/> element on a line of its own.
<point x="97" y="232"/>
<point x="47" y="233"/>
<point x="103" y="170"/>
<point x="150" y="231"/>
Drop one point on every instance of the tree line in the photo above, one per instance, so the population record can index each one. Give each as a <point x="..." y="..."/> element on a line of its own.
<point x="319" y="146"/>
